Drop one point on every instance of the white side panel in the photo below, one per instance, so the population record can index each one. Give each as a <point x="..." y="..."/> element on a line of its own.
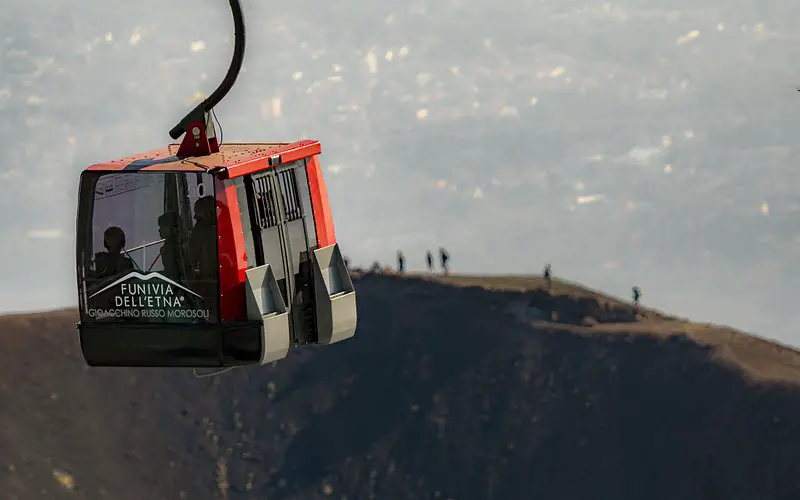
<point x="265" y="304"/>
<point x="337" y="313"/>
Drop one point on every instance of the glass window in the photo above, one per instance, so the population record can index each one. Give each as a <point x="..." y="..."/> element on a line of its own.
<point x="147" y="247"/>
<point x="292" y="184"/>
<point x="288" y="188"/>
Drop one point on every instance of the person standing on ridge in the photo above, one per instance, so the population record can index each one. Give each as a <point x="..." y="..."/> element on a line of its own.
<point x="429" y="259"/>
<point x="548" y="282"/>
<point x="401" y="262"/>
<point x="444" y="257"/>
<point x="637" y="294"/>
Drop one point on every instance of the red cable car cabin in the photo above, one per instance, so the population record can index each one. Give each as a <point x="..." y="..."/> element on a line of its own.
<point x="217" y="260"/>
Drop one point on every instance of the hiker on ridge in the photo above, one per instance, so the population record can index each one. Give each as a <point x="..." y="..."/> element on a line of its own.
<point x="429" y="259"/>
<point x="444" y="257"/>
<point x="401" y="262"/>
<point x="637" y="294"/>
<point x="547" y="277"/>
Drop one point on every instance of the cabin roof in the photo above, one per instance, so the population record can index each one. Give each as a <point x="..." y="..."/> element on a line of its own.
<point x="232" y="160"/>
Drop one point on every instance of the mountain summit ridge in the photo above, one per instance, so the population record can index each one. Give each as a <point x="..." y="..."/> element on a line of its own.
<point x="455" y="387"/>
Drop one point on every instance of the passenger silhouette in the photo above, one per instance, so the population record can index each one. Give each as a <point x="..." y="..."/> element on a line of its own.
<point x="401" y="262"/>
<point x="112" y="262"/>
<point x="429" y="260"/>
<point x="172" y="252"/>
<point x="444" y="257"/>
<point x="203" y="240"/>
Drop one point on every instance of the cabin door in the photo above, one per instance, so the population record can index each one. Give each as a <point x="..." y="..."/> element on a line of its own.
<point x="285" y="244"/>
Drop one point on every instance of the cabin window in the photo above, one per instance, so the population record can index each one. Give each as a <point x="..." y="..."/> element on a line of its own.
<point x="286" y="183"/>
<point x="266" y="212"/>
<point x="291" y="202"/>
<point x="147" y="247"/>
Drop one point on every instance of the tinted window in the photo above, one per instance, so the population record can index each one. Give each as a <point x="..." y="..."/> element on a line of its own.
<point x="147" y="247"/>
<point x="288" y="186"/>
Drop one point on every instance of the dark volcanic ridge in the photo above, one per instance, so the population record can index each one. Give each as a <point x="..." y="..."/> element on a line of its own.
<point x="454" y="387"/>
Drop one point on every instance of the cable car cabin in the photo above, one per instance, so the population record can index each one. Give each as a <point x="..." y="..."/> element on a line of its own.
<point x="222" y="260"/>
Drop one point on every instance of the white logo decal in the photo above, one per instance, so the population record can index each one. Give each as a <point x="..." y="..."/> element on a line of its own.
<point x="145" y="277"/>
<point x="148" y="300"/>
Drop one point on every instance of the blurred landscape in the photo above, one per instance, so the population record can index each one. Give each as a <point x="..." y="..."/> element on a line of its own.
<point x="639" y="142"/>
<point x="644" y="143"/>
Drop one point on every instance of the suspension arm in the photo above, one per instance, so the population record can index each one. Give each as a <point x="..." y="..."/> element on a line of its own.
<point x="198" y="114"/>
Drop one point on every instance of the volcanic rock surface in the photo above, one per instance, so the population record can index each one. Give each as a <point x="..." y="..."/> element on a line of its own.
<point x="454" y="387"/>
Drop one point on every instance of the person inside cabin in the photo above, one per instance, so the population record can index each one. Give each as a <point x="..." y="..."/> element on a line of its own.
<point x="171" y="253"/>
<point x="203" y="240"/>
<point x="112" y="262"/>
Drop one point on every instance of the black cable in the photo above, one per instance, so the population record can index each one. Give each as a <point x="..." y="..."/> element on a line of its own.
<point x="198" y="113"/>
<point x="221" y="133"/>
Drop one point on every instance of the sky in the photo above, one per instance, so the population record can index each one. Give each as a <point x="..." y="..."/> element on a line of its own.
<point x="646" y="143"/>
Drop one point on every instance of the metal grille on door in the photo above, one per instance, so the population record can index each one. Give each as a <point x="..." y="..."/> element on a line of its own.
<point x="265" y="201"/>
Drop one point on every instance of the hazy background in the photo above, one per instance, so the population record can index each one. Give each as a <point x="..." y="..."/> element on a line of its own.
<point x="634" y="142"/>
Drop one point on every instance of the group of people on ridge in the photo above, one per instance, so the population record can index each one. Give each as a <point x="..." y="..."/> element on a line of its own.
<point x="444" y="259"/>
